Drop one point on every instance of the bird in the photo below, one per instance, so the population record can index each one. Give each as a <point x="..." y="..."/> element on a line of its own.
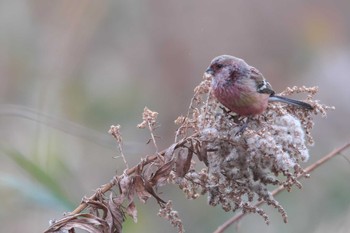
<point x="242" y="88"/>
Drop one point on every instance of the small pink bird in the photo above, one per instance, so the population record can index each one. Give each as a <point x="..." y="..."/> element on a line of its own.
<point x="242" y="88"/>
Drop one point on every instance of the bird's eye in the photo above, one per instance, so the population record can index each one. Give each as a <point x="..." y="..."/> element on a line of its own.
<point x="219" y="66"/>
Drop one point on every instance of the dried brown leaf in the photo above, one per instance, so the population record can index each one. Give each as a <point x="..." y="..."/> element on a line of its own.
<point x="126" y="187"/>
<point x="87" y="222"/>
<point x="150" y="190"/>
<point x="115" y="216"/>
<point x="139" y="186"/>
<point x="132" y="211"/>
<point x="162" y="173"/>
<point x="144" y="190"/>
<point x="94" y="206"/>
<point x="168" y="154"/>
<point x="183" y="162"/>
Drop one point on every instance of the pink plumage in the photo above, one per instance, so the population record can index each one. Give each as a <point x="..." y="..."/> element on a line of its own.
<point x="242" y="88"/>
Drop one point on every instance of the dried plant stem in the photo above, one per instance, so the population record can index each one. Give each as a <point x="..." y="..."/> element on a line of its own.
<point x="114" y="131"/>
<point x="108" y="186"/>
<point x="309" y="169"/>
<point x="150" y="127"/>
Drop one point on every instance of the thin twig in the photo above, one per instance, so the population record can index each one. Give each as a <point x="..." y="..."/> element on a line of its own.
<point x="184" y="124"/>
<point x="150" y="127"/>
<point x="309" y="169"/>
<point x="115" y="132"/>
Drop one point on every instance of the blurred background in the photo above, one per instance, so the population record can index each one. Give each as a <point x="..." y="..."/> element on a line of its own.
<point x="70" y="69"/>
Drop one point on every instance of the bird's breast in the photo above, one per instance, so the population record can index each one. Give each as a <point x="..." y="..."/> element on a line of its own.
<point x="241" y="100"/>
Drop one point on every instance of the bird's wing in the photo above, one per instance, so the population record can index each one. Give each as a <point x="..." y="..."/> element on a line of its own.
<point x="262" y="86"/>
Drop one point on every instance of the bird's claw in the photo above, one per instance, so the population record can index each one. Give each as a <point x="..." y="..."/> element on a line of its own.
<point x="242" y="127"/>
<point x="237" y="120"/>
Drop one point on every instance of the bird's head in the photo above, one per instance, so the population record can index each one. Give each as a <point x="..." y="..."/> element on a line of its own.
<point x="226" y="68"/>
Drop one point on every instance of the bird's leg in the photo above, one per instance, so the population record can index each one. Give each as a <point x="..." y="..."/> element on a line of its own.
<point x="237" y="119"/>
<point x="243" y="126"/>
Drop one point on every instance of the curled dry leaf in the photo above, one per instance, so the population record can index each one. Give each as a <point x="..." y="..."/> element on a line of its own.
<point x="162" y="173"/>
<point x="132" y="211"/>
<point x="183" y="161"/>
<point x="87" y="222"/>
<point x="139" y="186"/>
<point x="168" y="154"/>
<point x="115" y="216"/>
<point x="126" y="187"/>
<point x="95" y="206"/>
<point x="111" y="220"/>
<point x="144" y="190"/>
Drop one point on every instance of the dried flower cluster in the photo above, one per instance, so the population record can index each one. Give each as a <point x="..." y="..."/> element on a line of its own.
<point x="235" y="166"/>
<point x="241" y="165"/>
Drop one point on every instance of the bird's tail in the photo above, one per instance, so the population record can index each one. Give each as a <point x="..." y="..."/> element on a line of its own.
<point x="276" y="98"/>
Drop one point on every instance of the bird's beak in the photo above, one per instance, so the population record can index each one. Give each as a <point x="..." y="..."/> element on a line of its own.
<point x="209" y="71"/>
